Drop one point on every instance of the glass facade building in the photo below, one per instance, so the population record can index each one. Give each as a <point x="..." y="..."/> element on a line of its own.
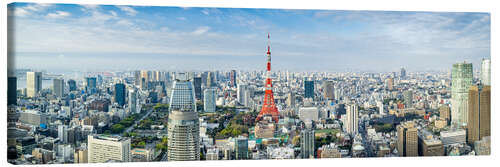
<point x="461" y="81"/>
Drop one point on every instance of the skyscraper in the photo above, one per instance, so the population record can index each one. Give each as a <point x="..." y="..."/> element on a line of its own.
<point x="210" y="79"/>
<point x="33" y="83"/>
<point x="351" y="124"/>
<point x="12" y="90"/>
<point x="240" y="93"/>
<point x="102" y="148"/>
<point x="444" y="112"/>
<point x="182" y="97"/>
<point x="72" y="85"/>
<point x="209" y="100"/>
<point x="309" y="89"/>
<point x="479" y="119"/>
<point x="232" y="77"/>
<point x="91" y="85"/>
<point x="408" y="98"/>
<point x="137" y="78"/>
<point x="486" y="72"/>
<point x="197" y="87"/>
<point x="120" y="94"/>
<point x="390" y="84"/>
<point x="461" y="80"/>
<point x="241" y="148"/>
<point x="328" y="90"/>
<point x="183" y="135"/>
<point x="407" y="140"/>
<point x="58" y="87"/>
<point x="307" y="143"/>
<point x="403" y="73"/>
<point x="132" y="101"/>
<point x="380" y="106"/>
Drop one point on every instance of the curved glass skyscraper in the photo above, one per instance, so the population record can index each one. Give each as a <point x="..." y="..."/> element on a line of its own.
<point x="183" y="123"/>
<point x="182" y="97"/>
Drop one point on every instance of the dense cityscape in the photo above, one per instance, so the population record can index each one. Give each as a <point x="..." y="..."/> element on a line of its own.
<point x="117" y="83"/>
<point x="154" y="115"/>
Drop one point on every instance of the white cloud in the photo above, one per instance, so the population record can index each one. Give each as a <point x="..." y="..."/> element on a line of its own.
<point x="28" y="9"/>
<point x="128" y="10"/>
<point x="181" y="18"/>
<point x="58" y="14"/>
<point x="124" y="22"/>
<point x="113" y="13"/>
<point x="205" y="12"/>
<point x="200" y="30"/>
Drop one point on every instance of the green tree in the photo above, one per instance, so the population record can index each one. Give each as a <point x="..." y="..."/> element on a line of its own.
<point x="117" y="128"/>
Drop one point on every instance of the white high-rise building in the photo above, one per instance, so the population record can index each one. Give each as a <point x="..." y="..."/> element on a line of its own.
<point x="380" y="106"/>
<point x="183" y="136"/>
<point x="103" y="148"/>
<point x="209" y="100"/>
<point x="351" y="124"/>
<point x="486" y="72"/>
<point x="241" y="94"/>
<point x="182" y="97"/>
<point x="62" y="133"/>
<point x="461" y="81"/>
<point x="33" y="83"/>
<point x="307" y="114"/>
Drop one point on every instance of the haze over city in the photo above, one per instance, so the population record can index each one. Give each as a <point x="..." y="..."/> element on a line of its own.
<point x="62" y="37"/>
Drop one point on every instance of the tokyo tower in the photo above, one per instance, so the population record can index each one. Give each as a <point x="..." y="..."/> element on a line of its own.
<point x="268" y="107"/>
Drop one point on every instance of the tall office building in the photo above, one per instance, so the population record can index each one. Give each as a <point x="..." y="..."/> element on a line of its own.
<point x="137" y="78"/>
<point x="486" y="72"/>
<point x="33" y="83"/>
<point x="182" y="97"/>
<point x="62" y="133"/>
<point x="479" y="119"/>
<point x="328" y="90"/>
<point x="58" y="87"/>
<point x="103" y="148"/>
<point x="183" y="135"/>
<point x="210" y="79"/>
<point x="241" y="148"/>
<point x="380" y="106"/>
<point x="91" y="85"/>
<point x="241" y="93"/>
<point x="120" y="94"/>
<point x="461" y="80"/>
<point x="351" y="124"/>
<point x="403" y="73"/>
<point x="290" y="100"/>
<point x="307" y="143"/>
<point x="232" y="78"/>
<point x="209" y="100"/>
<point x="407" y="139"/>
<point x="72" y="85"/>
<point x="197" y="87"/>
<point x="132" y="101"/>
<point x="309" y="89"/>
<point x="390" y="83"/>
<point x="12" y="90"/>
<point x="408" y="98"/>
<point x="444" y="112"/>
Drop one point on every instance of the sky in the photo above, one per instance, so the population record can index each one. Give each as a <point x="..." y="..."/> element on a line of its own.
<point x="71" y="37"/>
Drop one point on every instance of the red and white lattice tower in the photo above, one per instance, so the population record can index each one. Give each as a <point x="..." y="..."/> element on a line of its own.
<point x="268" y="106"/>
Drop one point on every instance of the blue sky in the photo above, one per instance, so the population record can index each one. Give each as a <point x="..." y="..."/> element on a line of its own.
<point x="104" y="37"/>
